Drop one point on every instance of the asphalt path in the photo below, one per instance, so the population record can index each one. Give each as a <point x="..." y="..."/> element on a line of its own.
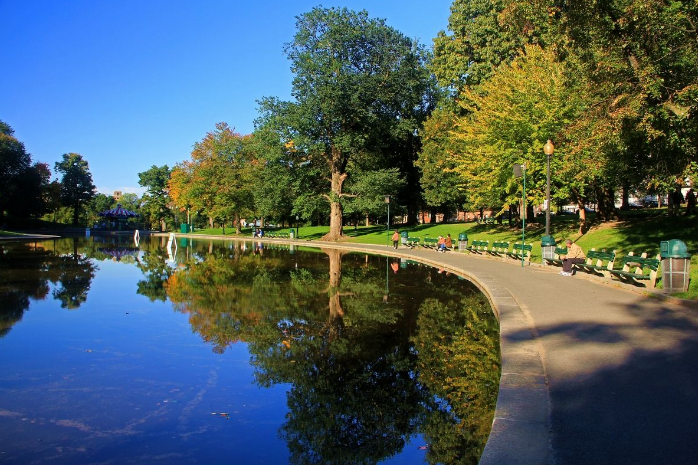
<point x="592" y="372"/>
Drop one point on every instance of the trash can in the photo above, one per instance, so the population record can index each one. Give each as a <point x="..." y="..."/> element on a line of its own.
<point x="403" y="237"/>
<point x="184" y="228"/>
<point x="676" y="264"/>
<point x="291" y="233"/>
<point x="462" y="242"/>
<point x="547" y="247"/>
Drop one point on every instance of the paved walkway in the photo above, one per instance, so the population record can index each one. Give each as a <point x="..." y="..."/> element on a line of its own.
<point x="591" y="373"/>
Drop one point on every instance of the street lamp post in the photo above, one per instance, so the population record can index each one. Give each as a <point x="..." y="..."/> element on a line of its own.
<point x="297" y="234"/>
<point x="549" y="148"/>
<point x="547" y="242"/>
<point x="520" y="172"/>
<point x="387" y="201"/>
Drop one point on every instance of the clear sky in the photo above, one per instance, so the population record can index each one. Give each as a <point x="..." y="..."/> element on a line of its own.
<point x="129" y="84"/>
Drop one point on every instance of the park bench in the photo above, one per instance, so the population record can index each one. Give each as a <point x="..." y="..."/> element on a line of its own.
<point x="556" y="260"/>
<point x="412" y="242"/>
<point x="638" y="268"/>
<point x="478" y="247"/>
<point x="499" y="249"/>
<point x="430" y="242"/>
<point x="598" y="262"/>
<point x="521" y="252"/>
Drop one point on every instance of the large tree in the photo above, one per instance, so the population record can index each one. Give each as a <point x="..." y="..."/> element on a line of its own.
<point x="156" y="200"/>
<point x="219" y="179"/>
<point x="641" y="60"/>
<point x="25" y="188"/>
<point x="76" y="183"/>
<point x="357" y="83"/>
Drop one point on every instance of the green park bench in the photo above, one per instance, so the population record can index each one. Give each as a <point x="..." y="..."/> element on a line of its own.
<point x="598" y="262"/>
<point x="478" y="247"/>
<point x="499" y="249"/>
<point x="412" y="242"/>
<point x="430" y="242"/>
<point x="521" y="252"/>
<point x="638" y="268"/>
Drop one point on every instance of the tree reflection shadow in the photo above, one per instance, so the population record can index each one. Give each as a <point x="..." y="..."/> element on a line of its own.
<point x="365" y="375"/>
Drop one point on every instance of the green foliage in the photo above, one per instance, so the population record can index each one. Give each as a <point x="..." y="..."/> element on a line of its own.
<point x="359" y="87"/>
<point x="77" y="188"/>
<point x="155" y="203"/>
<point x="25" y="186"/>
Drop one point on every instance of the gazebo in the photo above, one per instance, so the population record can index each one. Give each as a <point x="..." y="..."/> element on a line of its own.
<point x="119" y="214"/>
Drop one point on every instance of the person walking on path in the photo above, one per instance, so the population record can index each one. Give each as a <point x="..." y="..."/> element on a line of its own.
<point x="396" y="239"/>
<point x="574" y="254"/>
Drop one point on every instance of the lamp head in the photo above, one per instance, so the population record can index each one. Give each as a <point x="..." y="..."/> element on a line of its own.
<point x="549" y="148"/>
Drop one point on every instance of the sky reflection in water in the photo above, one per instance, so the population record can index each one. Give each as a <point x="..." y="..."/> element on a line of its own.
<point x="238" y="354"/>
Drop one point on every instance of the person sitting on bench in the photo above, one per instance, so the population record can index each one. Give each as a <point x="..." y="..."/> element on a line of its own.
<point x="574" y="254"/>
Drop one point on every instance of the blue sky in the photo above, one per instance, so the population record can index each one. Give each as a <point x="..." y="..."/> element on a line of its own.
<point x="129" y="84"/>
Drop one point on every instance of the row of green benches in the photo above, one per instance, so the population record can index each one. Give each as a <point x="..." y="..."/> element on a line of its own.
<point x="276" y="235"/>
<point x="501" y="249"/>
<point x="426" y="242"/>
<point x="633" y="268"/>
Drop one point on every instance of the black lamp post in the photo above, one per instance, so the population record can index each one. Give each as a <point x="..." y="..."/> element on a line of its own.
<point x="548" y="148"/>
<point x="547" y="242"/>
<point x="387" y="201"/>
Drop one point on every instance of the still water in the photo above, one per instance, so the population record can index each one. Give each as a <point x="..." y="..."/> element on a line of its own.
<point x="232" y="352"/>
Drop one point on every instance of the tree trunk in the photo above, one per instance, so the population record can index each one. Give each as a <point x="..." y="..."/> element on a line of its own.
<point x="76" y="214"/>
<point x="336" y="211"/>
<point x="625" y="203"/>
<point x="582" y="217"/>
<point x="238" y="230"/>
<point x="606" y="203"/>
<point x="163" y="225"/>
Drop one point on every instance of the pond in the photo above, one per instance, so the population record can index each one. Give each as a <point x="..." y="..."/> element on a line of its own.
<point x="238" y="352"/>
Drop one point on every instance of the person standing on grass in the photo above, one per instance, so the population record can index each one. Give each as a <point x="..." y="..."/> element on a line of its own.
<point x="574" y="254"/>
<point x="690" y="201"/>
<point x="396" y="238"/>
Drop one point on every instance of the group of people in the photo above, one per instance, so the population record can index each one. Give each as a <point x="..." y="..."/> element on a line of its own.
<point x="443" y="244"/>
<point x="676" y="198"/>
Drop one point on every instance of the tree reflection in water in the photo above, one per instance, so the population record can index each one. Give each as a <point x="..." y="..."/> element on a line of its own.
<point x="366" y="374"/>
<point x="28" y="269"/>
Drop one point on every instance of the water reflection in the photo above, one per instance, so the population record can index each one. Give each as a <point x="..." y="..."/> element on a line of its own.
<point x="373" y="352"/>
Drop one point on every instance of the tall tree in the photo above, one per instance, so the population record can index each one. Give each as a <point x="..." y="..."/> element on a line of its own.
<point x="76" y="183"/>
<point x="356" y="80"/>
<point x="641" y="59"/>
<point x="507" y="121"/>
<point x="156" y="200"/>
<point x="25" y="185"/>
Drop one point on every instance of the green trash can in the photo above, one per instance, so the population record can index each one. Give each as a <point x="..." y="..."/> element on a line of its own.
<point x="676" y="264"/>
<point x="547" y="247"/>
<point x="184" y="228"/>
<point x="403" y="237"/>
<point x="462" y="242"/>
